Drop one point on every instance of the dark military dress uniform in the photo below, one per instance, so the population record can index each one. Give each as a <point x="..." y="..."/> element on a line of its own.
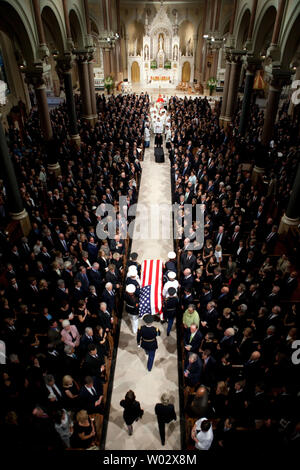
<point x="136" y="264"/>
<point x="129" y="280"/>
<point x="171" y="265"/>
<point x="131" y="304"/>
<point x="146" y="338"/>
<point x="170" y="311"/>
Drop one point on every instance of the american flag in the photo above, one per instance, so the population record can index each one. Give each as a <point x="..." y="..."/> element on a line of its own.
<point x="151" y="287"/>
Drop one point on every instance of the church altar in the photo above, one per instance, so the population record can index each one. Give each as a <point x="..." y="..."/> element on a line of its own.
<point x="160" y="62"/>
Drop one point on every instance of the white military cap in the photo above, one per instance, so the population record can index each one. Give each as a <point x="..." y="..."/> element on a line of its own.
<point x="171" y="275"/>
<point x="172" y="255"/>
<point x="132" y="270"/>
<point x="130" y="288"/>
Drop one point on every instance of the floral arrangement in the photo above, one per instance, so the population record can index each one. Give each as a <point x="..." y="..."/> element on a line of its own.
<point x="153" y="64"/>
<point x="211" y="84"/>
<point x="108" y="83"/>
<point x="167" y="64"/>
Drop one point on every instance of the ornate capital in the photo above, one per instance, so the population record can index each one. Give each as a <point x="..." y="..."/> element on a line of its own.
<point x="82" y="55"/>
<point x="64" y="64"/>
<point x="36" y="75"/>
<point x="235" y="58"/>
<point x="278" y="78"/>
<point x="252" y="64"/>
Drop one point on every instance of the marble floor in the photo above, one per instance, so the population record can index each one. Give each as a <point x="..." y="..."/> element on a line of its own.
<point x="131" y="371"/>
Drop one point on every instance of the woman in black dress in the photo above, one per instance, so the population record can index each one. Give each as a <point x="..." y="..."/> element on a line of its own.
<point x="84" y="434"/>
<point x="132" y="410"/>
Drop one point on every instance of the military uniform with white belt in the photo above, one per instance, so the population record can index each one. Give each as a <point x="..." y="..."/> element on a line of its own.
<point x="132" y="306"/>
<point x="147" y="339"/>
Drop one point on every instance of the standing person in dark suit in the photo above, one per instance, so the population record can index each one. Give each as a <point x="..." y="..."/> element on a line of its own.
<point x="91" y="395"/>
<point x="188" y="260"/>
<point x="165" y="413"/>
<point x="158" y="141"/>
<point x="132" y="410"/>
<point x="193" y="370"/>
<point x="94" y="363"/>
<point x="108" y="296"/>
<point x="146" y="338"/>
<point x="192" y="339"/>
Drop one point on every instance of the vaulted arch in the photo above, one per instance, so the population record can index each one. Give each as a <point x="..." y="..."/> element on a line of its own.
<point x="242" y="32"/>
<point x="15" y="24"/>
<point x="55" y="36"/>
<point x="76" y="29"/>
<point x="291" y="40"/>
<point x="264" y="29"/>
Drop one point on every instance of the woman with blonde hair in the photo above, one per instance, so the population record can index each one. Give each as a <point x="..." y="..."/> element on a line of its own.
<point x="84" y="435"/>
<point x="218" y="254"/>
<point x="220" y="399"/>
<point x="70" y="392"/>
<point x="165" y="413"/>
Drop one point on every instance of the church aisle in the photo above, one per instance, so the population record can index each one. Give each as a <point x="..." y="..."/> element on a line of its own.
<point x="131" y="371"/>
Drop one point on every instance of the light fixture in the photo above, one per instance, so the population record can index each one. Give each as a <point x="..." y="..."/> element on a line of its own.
<point x="205" y="36"/>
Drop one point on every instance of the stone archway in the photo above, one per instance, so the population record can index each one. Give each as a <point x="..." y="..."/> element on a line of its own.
<point x="135" y="72"/>
<point x="186" y="72"/>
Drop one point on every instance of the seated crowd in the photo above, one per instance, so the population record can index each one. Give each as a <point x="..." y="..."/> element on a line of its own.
<point x="61" y="287"/>
<point x="238" y="324"/>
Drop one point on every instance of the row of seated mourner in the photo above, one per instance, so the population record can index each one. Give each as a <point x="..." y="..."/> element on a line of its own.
<point x="62" y="290"/>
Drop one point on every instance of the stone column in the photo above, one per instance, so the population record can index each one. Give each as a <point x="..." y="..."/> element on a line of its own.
<point x="118" y="44"/>
<point x="106" y="62"/>
<point x="67" y="20"/>
<point x="225" y="89"/>
<point x="249" y="81"/>
<point x="36" y="77"/>
<point x="42" y="103"/>
<point x="15" y="203"/>
<point x="292" y="216"/>
<point x="232" y="19"/>
<point x="38" y="21"/>
<point x="113" y="63"/>
<point x="212" y="14"/>
<point x="278" y="21"/>
<point x="235" y="71"/>
<point x="252" y="20"/>
<point x="277" y="81"/>
<point x="104" y="14"/>
<point x="87" y="16"/>
<point x="84" y="82"/>
<point x="64" y="71"/>
<point x="92" y="86"/>
<point x="218" y="11"/>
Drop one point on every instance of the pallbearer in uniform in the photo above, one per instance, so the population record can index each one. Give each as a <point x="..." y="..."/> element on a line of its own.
<point x="132" y="306"/>
<point x="171" y="264"/>
<point x="170" y="308"/>
<point x="171" y="282"/>
<point x="133" y="278"/>
<point x="133" y="262"/>
<point x="147" y="339"/>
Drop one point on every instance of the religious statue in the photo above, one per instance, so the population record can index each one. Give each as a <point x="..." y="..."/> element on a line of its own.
<point x="161" y="42"/>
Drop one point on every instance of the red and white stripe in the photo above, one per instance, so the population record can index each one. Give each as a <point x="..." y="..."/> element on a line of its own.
<point x="152" y="274"/>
